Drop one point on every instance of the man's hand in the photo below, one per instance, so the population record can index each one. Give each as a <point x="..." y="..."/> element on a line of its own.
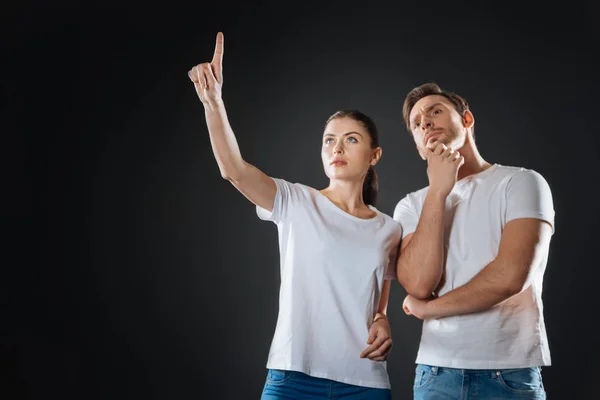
<point x="442" y="168"/>
<point x="208" y="77"/>
<point x="416" y="307"/>
<point x="380" y="340"/>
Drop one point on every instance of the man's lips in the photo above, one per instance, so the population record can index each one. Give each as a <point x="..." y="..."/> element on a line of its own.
<point x="432" y="134"/>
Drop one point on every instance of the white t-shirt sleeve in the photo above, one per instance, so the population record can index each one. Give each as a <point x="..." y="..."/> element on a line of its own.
<point x="528" y="195"/>
<point x="406" y="215"/>
<point x="284" y="197"/>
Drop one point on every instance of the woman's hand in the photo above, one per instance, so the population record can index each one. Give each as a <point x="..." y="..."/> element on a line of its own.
<point x="208" y="77"/>
<point x="380" y="340"/>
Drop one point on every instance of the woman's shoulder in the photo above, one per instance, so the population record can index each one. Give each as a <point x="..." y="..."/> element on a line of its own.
<point x="390" y="223"/>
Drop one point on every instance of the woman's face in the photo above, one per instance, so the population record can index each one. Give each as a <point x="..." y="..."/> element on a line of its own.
<point x="346" y="149"/>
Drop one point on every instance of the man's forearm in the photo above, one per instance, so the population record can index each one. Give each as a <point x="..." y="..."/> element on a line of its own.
<point x="420" y="264"/>
<point x="484" y="291"/>
<point x="523" y="248"/>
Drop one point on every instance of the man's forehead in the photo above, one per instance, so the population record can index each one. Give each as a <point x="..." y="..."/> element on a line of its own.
<point x="427" y="101"/>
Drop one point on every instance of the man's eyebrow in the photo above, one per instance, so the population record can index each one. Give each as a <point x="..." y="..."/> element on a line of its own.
<point x="429" y="108"/>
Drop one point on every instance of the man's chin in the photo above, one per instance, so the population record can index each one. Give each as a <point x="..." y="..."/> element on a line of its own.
<point x="432" y="143"/>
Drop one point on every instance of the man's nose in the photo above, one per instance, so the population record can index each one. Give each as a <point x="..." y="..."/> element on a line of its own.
<point x="426" y="124"/>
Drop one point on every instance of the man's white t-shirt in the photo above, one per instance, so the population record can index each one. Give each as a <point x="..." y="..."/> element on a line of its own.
<point x="333" y="266"/>
<point x="512" y="334"/>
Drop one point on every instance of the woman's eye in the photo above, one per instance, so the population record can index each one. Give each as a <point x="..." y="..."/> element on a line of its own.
<point x="327" y="141"/>
<point x="437" y="112"/>
<point x="352" y="140"/>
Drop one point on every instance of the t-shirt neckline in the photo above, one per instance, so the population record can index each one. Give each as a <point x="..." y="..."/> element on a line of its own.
<point x="346" y="214"/>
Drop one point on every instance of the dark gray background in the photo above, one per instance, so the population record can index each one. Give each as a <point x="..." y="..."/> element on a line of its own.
<point x="135" y="271"/>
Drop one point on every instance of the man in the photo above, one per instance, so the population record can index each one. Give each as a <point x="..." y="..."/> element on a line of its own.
<point x="472" y="260"/>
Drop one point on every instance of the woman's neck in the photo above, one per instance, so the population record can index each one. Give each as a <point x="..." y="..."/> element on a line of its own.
<point x="348" y="197"/>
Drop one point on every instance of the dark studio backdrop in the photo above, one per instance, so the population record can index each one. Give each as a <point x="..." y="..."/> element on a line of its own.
<point x="133" y="270"/>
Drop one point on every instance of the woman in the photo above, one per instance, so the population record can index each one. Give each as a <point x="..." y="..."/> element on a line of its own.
<point x="337" y="255"/>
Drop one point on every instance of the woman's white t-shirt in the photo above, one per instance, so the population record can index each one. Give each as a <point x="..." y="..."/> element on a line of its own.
<point x="333" y="266"/>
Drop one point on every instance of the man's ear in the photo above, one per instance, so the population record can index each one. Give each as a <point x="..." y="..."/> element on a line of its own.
<point x="468" y="119"/>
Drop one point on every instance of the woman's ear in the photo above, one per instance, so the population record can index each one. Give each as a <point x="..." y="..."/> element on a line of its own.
<point x="376" y="156"/>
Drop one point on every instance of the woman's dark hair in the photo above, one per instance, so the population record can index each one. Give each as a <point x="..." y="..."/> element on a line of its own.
<point x="371" y="183"/>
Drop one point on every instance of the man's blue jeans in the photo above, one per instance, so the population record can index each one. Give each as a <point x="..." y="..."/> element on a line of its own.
<point x="438" y="383"/>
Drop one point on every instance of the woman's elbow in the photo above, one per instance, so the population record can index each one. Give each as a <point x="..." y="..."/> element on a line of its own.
<point x="232" y="173"/>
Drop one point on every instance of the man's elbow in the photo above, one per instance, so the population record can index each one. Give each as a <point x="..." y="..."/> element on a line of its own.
<point x="418" y="291"/>
<point x="418" y="284"/>
<point x="421" y="294"/>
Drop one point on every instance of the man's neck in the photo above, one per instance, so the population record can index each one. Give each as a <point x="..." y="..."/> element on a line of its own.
<point x="473" y="164"/>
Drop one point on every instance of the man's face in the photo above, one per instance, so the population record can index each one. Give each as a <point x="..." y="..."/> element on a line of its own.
<point x="434" y="119"/>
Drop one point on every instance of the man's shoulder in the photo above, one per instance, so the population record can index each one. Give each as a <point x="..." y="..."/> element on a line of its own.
<point x="512" y="169"/>
<point x="415" y="195"/>
<point x="509" y="168"/>
<point x="510" y="172"/>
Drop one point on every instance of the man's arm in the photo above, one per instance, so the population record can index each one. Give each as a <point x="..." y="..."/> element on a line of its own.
<point x="524" y="245"/>
<point x="420" y="264"/>
<point x="421" y="261"/>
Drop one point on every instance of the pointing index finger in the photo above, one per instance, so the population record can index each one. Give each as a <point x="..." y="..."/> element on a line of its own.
<point x="218" y="56"/>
